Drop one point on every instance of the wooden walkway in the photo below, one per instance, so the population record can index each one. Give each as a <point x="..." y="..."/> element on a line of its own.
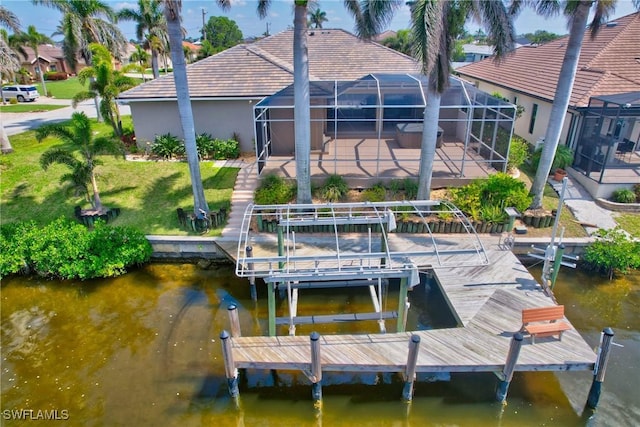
<point x="486" y="300"/>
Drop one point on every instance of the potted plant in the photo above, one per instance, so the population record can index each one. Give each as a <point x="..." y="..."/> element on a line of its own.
<point x="562" y="159"/>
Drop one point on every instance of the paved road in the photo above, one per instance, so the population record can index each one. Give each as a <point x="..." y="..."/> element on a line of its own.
<point x="19" y="122"/>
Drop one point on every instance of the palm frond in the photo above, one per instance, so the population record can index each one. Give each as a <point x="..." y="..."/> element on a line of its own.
<point x="499" y="26"/>
<point x="603" y="9"/>
<point x="54" y="129"/>
<point x="263" y="8"/>
<point x="59" y="156"/>
<point x="372" y="16"/>
<point x="426" y="23"/>
<point x="82" y="96"/>
<point x="9" y="20"/>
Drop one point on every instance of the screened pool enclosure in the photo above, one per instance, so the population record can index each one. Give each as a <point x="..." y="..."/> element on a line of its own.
<point x="372" y="128"/>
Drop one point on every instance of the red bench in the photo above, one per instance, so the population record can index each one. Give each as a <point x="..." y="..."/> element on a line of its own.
<point x="544" y="322"/>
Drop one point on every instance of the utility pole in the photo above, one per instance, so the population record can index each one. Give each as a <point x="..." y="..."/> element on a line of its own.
<point x="204" y="33"/>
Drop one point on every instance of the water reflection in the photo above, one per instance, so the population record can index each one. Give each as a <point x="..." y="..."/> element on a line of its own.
<point x="143" y="349"/>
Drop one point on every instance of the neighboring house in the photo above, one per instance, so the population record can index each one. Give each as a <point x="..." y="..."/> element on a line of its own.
<point x="606" y="148"/>
<point x="51" y="58"/>
<point x="225" y="87"/>
<point x="193" y="51"/>
<point x="130" y="48"/>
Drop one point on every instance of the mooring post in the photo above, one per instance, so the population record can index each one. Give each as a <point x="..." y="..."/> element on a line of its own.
<point x="316" y="370"/>
<point x="271" y="298"/>
<point x="509" y="367"/>
<point x="556" y="264"/>
<point x="410" y="370"/>
<point x="402" y="305"/>
<point x="600" y="368"/>
<point x="229" y="367"/>
<point x="234" y="320"/>
<point x="252" y="275"/>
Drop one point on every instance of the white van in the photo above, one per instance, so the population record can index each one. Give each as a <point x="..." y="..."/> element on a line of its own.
<point x="20" y="92"/>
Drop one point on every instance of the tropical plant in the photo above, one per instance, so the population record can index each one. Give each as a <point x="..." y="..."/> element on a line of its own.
<point x="578" y="15"/>
<point x="334" y="188"/>
<point x="78" y="136"/>
<point x="400" y="42"/>
<point x="82" y="24"/>
<point x="563" y="157"/>
<point x="106" y="83"/>
<point x="434" y="27"/>
<point x="174" y="31"/>
<point x="316" y="17"/>
<point x="613" y="252"/>
<point x="222" y="33"/>
<point x="205" y="145"/>
<point x="225" y="149"/>
<point x="151" y="28"/>
<point x="33" y="39"/>
<point x="377" y="193"/>
<point x="167" y="146"/>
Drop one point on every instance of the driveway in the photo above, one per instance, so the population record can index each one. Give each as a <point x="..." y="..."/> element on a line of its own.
<point x="20" y="122"/>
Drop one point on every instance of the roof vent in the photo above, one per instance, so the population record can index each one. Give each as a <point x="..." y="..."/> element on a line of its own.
<point x="612" y="24"/>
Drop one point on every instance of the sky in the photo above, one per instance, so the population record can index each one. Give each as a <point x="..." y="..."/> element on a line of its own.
<point x="243" y="12"/>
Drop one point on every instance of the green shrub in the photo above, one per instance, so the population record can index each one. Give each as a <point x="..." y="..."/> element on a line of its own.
<point x="636" y="190"/>
<point x="334" y="188"/>
<point x="483" y="198"/>
<point x="518" y="153"/>
<point x="225" y="149"/>
<point x="167" y="146"/>
<point x="205" y="145"/>
<point x="53" y="75"/>
<point x="613" y="252"/>
<point x="377" y="193"/>
<point x="274" y="190"/>
<point x="624" y="195"/>
<point x="64" y="249"/>
<point x="410" y="188"/>
<point x="13" y="101"/>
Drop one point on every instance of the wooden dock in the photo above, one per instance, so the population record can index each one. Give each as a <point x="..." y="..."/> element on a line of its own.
<point x="487" y="301"/>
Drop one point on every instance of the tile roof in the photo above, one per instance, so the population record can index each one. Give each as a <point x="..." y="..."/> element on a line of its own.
<point x="610" y="63"/>
<point x="266" y="66"/>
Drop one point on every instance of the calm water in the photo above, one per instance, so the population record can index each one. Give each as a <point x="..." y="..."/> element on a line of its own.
<point x="143" y="350"/>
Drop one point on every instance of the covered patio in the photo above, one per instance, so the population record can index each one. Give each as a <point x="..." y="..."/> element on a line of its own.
<point x="370" y="130"/>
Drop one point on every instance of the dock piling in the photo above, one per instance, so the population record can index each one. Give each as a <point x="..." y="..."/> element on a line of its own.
<point x="600" y="368"/>
<point x="234" y="320"/>
<point x="316" y="370"/>
<point x="509" y="367"/>
<point x="252" y="276"/>
<point x="229" y="366"/>
<point x="410" y="370"/>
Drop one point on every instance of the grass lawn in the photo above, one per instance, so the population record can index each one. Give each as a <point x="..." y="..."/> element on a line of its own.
<point x="29" y="108"/>
<point x="630" y="222"/>
<point x="63" y="89"/>
<point x="147" y="192"/>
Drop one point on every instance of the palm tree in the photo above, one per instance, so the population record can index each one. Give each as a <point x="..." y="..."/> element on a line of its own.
<point x="34" y="39"/>
<point x="9" y="64"/>
<point x="434" y="28"/>
<point x="578" y="13"/>
<point x="141" y="57"/>
<point x="151" y="27"/>
<point x="317" y="17"/>
<point x="78" y="136"/>
<point x="81" y="25"/>
<point x="400" y="42"/>
<point x="106" y="83"/>
<point x="174" y="31"/>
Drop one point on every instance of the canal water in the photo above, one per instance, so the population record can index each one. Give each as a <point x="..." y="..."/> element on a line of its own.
<point x="144" y="350"/>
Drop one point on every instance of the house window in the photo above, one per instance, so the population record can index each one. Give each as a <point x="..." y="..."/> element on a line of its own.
<point x="534" y="112"/>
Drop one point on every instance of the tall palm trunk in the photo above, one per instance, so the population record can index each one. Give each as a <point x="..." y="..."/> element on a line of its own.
<point x="561" y="101"/>
<point x="429" y="139"/>
<point x="172" y="14"/>
<point x="97" y="203"/>
<point x="302" y="113"/>
<point x="155" y="66"/>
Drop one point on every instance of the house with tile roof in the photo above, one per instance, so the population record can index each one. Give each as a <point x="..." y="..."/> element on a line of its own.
<point x="50" y="58"/>
<point x="607" y="151"/>
<point x="225" y="87"/>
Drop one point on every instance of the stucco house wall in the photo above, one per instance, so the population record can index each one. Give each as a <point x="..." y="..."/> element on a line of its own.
<point x="219" y="118"/>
